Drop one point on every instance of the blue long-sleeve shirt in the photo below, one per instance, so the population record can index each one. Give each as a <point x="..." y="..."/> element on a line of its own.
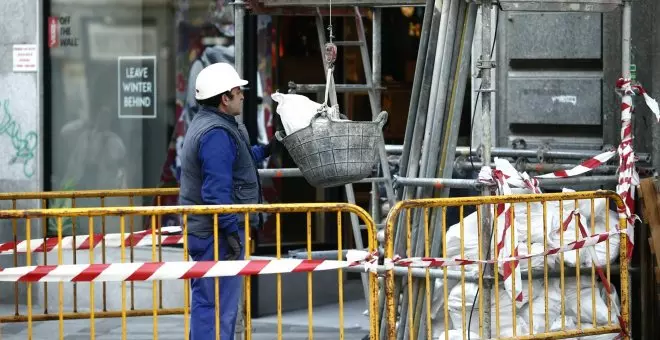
<point x="217" y="152"/>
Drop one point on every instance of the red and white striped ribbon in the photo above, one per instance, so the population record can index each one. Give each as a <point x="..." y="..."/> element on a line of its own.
<point x="628" y="176"/>
<point x="601" y="273"/>
<point x="507" y="240"/>
<point x="583" y="167"/>
<point x="167" y="235"/>
<point x="585" y="242"/>
<point x="149" y="271"/>
<point x="515" y="178"/>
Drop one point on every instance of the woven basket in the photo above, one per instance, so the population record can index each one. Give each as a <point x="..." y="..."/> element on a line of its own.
<point x="332" y="152"/>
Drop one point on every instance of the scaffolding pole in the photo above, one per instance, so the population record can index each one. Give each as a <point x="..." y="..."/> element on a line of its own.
<point x="486" y="65"/>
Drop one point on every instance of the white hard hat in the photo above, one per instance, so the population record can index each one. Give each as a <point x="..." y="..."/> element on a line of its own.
<point x="216" y="79"/>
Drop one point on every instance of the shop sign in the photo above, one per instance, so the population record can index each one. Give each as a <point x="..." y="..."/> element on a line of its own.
<point x="25" y="58"/>
<point x="137" y="87"/>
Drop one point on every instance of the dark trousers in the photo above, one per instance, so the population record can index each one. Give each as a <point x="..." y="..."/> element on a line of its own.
<point x="202" y="315"/>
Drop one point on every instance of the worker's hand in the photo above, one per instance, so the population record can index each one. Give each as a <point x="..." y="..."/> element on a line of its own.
<point x="235" y="246"/>
<point x="270" y="147"/>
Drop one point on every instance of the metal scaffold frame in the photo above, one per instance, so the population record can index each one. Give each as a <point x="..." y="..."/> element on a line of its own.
<point x="425" y="85"/>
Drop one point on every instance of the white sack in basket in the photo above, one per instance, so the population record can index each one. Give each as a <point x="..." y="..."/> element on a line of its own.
<point x="295" y="110"/>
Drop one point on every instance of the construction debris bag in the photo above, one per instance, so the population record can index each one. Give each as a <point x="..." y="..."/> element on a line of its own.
<point x="600" y="250"/>
<point x="296" y="111"/>
<point x="552" y="226"/>
<point x="455" y="334"/>
<point x="456" y="301"/>
<point x="455" y="305"/>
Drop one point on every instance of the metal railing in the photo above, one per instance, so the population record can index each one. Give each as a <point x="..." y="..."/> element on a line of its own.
<point x="535" y="297"/>
<point x="155" y="240"/>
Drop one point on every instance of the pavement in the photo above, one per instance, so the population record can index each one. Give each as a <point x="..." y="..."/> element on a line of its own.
<point x="294" y="326"/>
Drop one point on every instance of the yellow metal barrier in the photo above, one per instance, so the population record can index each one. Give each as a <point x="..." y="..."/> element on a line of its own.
<point x="26" y="218"/>
<point x="553" y="303"/>
<point x="81" y="198"/>
<point x="93" y="197"/>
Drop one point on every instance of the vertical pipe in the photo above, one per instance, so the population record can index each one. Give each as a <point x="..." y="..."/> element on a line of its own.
<point x="278" y="247"/>
<point x="92" y="308"/>
<point x="75" y="258"/>
<point x="414" y="150"/>
<point x="14" y="224"/>
<point x="340" y="277"/>
<point x="454" y="111"/>
<point x="239" y="37"/>
<point x="44" y="229"/>
<point x="454" y="28"/>
<point x="357" y="236"/>
<point x="160" y="254"/>
<point x="186" y="282"/>
<point x="625" y="38"/>
<point x="420" y="70"/>
<point x="455" y="108"/>
<point x="486" y="7"/>
<point x="310" y="287"/>
<point x="626" y="23"/>
<point x="376" y="81"/>
<point x="122" y="255"/>
<point x="60" y="285"/>
<point x="154" y="284"/>
<point x="449" y="11"/>
<point x="131" y="228"/>
<point x="29" y="285"/>
<point x="247" y="293"/>
<point x="216" y="281"/>
<point x="374" y="99"/>
<point x="239" y="44"/>
<point x="105" y="304"/>
<point x="376" y="41"/>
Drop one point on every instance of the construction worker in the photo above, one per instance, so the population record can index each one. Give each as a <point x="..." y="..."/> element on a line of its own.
<point x="218" y="166"/>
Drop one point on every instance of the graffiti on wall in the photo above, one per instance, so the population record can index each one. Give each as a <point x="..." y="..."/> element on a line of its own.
<point x="21" y="144"/>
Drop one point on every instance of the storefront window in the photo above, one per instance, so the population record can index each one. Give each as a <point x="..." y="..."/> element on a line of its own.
<point x="120" y="88"/>
<point x="110" y="92"/>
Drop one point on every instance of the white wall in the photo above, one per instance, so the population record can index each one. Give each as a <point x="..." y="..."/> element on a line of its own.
<point x="20" y="117"/>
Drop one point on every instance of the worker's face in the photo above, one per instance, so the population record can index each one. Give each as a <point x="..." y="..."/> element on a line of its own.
<point x="233" y="106"/>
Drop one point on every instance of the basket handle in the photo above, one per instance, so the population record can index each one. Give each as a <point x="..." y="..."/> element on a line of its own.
<point x="279" y="136"/>
<point x="381" y="119"/>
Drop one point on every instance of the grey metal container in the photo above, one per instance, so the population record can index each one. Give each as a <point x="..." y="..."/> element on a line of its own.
<point x="332" y="152"/>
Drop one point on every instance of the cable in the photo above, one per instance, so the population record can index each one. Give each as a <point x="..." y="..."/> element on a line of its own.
<point x="490" y="237"/>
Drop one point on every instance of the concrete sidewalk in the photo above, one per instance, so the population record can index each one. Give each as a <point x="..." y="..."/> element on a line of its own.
<point x="294" y="326"/>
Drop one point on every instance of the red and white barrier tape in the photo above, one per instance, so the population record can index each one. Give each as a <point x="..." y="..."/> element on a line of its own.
<point x="628" y="176"/>
<point x="507" y="238"/>
<point x="504" y="174"/>
<point x="168" y="236"/>
<point x="583" y="167"/>
<point x="424" y="262"/>
<point x="601" y="274"/>
<point x="149" y="271"/>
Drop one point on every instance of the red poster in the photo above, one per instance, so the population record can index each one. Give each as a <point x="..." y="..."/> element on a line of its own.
<point x="53" y="29"/>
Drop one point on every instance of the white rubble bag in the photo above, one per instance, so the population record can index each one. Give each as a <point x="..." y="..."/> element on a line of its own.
<point x="569" y="324"/>
<point x="295" y="110"/>
<point x="455" y="334"/>
<point x="455" y="305"/>
<point x="538" y="305"/>
<point x="438" y="298"/>
<point x="586" y="254"/>
<point x="538" y="262"/>
<point x="586" y="311"/>
<point x="470" y="240"/>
